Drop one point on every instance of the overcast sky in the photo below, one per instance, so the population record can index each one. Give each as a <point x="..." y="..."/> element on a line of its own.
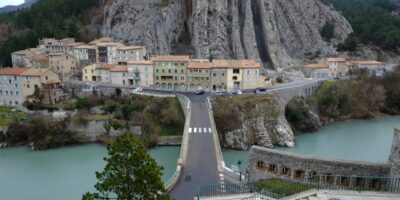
<point x="10" y="2"/>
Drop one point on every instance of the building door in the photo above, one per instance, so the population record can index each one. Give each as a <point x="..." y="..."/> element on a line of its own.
<point x="236" y="85"/>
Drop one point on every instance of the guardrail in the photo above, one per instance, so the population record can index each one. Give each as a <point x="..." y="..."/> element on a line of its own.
<point x="219" y="155"/>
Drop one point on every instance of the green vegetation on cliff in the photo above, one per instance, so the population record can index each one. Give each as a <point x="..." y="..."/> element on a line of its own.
<point x="47" y="18"/>
<point x="373" y="21"/>
<point x="8" y="115"/>
<point x="157" y="116"/>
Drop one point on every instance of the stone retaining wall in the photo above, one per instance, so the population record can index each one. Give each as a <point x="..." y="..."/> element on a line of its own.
<point x="267" y="163"/>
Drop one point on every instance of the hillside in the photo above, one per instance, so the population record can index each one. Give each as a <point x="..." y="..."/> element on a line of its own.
<point x="278" y="33"/>
<point x="375" y="22"/>
<point x="48" y="18"/>
<point x="27" y="4"/>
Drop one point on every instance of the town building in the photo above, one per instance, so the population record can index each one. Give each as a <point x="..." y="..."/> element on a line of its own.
<point x="62" y="63"/>
<point x="317" y="70"/>
<point x="40" y="61"/>
<point x="101" y="73"/>
<point x="126" y="53"/>
<point x="85" y="54"/>
<point x="52" y="92"/>
<point x="23" y="58"/>
<point x="337" y="67"/>
<point x="89" y="73"/>
<point x="52" y="45"/>
<point x="119" y="75"/>
<point x="33" y="79"/>
<point x="170" y="72"/>
<point x="16" y="83"/>
<point x="141" y="73"/>
<point x="238" y="74"/>
<point x="198" y="75"/>
<point x="368" y="67"/>
<point x="107" y="52"/>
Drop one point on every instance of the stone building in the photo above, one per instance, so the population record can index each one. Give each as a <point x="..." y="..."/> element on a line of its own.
<point x="107" y="52"/>
<point x="119" y="75"/>
<point x="316" y="70"/>
<point x="126" y="53"/>
<point x="11" y="85"/>
<point x="337" y="67"/>
<point x="141" y="73"/>
<point x="198" y="75"/>
<point x="368" y="67"/>
<point x="23" y="58"/>
<point x="52" y="45"/>
<point x="61" y="63"/>
<point x="85" y="54"/>
<point x="170" y="72"/>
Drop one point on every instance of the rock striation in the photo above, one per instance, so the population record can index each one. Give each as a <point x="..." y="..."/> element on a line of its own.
<point x="278" y="33"/>
<point x="243" y="121"/>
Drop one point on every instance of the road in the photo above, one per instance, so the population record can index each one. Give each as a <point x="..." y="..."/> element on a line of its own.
<point x="201" y="166"/>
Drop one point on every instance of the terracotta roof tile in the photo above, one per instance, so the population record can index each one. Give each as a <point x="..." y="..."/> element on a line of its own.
<point x="141" y="62"/>
<point x="316" y="65"/>
<point x="336" y="59"/>
<point x="119" y="68"/>
<point x="200" y="64"/>
<point x="366" y="62"/>
<point x="235" y="63"/>
<point x="12" y="70"/>
<point x="34" y="72"/>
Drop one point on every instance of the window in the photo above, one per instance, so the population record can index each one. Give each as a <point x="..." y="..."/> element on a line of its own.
<point x="223" y="74"/>
<point x="214" y="74"/>
<point x="156" y="70"/>
<point x="272" y="168"/>
<point x="234" y="78"/>
<point x="176" y="78"/>
<point x="169" y="71"/>
<point x="182" y="71"/>
<point x="236" y="71"/>
<point x="9" y="81"/>
<point x="285" y="170"/>
<point x="47" y="78"/>
<point x="85" y="70"/>
<point x="260" y="165"/>
<point x="28" y="86"/>
<point x="17" y="93"/>
<point x="163" y="71"/>
<point x="182" y="78"/>
<point x="16" y="85"/>
<point x="176" y="71"/>
<point x="11" y="93"/>
<point x="248" y="72"/>
<point x="208" y="78"/>
<point x="157" y="78"/>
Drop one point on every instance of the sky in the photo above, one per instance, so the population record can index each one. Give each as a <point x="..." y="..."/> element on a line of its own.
<point x="10" y="2"/>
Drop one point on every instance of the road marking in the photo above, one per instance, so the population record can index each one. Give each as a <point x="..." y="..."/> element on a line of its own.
<point x="195" y="130"/>
<point x="199" y="130"/>
<point x="190" y="130"/>
<point x="209" y="130"/>
<point x="205" y="130"/>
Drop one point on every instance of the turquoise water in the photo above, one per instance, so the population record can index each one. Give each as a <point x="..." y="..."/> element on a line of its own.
<point x="362" y="140"/>
<point x="64" y="173"/>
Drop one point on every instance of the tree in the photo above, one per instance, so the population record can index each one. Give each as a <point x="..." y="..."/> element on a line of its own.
<point x="130" y="173"/>
<point x="328" y="31"/>
<point x="118" y="92"/>
<point x="350" y="44"/>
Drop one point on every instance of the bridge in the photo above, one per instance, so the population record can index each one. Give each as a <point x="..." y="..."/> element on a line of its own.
<point x="202" y="162"/>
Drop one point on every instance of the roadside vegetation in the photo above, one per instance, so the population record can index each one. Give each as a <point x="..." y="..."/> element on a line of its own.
<point x="361" y="98"/>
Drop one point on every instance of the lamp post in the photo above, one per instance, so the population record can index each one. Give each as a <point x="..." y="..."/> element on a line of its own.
<point x="240" y="171"/>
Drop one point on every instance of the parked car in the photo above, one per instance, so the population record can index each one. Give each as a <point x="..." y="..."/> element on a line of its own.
<point x="200" y="92"/>
<point x="138" y="89"/>
<point x="235" y="92"/>
<point x="260" y="91"/>
<point x="220" y="91"/>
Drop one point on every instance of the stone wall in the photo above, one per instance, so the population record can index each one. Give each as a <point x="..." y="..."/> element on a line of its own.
<point x="267" y="163"/>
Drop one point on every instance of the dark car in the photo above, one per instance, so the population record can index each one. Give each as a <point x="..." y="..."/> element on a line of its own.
<point x="260" y="91"/>
<point x="199" y="92"/>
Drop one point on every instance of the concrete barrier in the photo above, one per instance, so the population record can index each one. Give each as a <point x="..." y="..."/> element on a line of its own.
<point x="170" y="184"/>
<point x="218" y="151"/>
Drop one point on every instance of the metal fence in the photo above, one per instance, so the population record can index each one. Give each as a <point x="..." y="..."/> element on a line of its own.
<point x="294" y="187"/>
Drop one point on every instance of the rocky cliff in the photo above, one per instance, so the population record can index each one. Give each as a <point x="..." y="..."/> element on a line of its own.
<point x="276" y="32"/>
<point x="243" y="121"/>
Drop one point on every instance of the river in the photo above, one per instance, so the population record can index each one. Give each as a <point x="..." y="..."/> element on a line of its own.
<point x="63" y="173"/>
<point x="362" y="140"/>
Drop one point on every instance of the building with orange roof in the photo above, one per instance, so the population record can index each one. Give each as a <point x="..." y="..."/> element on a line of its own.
<point x="119" y="75"/>
<point x="316" y="70"/>
<point x="98" y="72"/>
<point x="199" y="75"/>
<point x="141" y="73"/>
<point x="170" y="71"/>
<point x="369" y="67"/>
<point x="16" y="84"/>
<point x="337" y="67"/>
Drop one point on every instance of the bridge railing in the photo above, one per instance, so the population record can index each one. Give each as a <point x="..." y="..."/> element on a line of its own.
<point x="296" y="187"/>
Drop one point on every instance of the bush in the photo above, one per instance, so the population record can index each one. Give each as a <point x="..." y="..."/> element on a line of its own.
<point x="328" y="31"/>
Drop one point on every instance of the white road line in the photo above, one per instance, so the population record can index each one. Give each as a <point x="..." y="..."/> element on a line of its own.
<point x="199" y="130"/>
<point x="194" y="130"/>
<point x="209" y="130"/>
<point x="190" y="130"/>
<point x="205" y="130"/>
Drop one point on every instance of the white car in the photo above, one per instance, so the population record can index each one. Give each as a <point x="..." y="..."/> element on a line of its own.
<point x="138" y="89"/>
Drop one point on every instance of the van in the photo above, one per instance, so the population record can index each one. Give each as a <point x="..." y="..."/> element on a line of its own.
<point x="260" y="91"/>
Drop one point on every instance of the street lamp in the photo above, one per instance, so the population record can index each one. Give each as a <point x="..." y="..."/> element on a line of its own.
<point x="240" y="171"/>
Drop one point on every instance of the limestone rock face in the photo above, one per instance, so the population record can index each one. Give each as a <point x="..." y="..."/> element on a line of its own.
<point x="260" y="120"/>
<point x="277" y="33"/>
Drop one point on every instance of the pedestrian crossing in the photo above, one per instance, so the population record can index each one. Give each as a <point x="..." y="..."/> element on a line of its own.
<point x="200" y="130"/>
